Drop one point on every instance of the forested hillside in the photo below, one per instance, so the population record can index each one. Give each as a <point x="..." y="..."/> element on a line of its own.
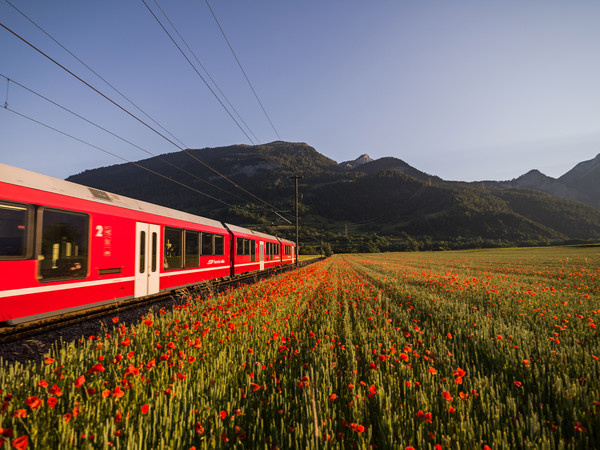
<point x="380" y="205"/>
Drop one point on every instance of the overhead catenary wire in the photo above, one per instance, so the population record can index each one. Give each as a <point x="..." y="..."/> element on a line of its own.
<point x="6" y="96"/>
<point x="94" y="72"/>
<point x="133" y="115"/>
<point x="117" y="156"/>
<point x="242" y="69"/>
<point x="206" y="71"/>
<point x="196" y="70"/>
<point x="118" y="91"/>
<point x="160" y="158"/>
<point x="219" y="100"/>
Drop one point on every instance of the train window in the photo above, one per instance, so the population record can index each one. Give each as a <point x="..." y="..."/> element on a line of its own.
<point x="64" y="245"/>
<point x="246" y="247"/>
<point x="192" y="249"/>
<point x="142" y="268"/>
<point x="14" y="226"/>
<point x="288" y="250"/>
<point x="219" y="245"/>
<point x="207" y="244"/>
<point x="154" y="251"/>
<point x="173" y="249"/>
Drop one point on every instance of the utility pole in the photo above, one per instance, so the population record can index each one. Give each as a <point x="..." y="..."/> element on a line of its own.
<point x="296" y="178"/>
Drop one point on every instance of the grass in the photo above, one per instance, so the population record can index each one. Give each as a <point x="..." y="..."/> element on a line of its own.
<point x="488" y="349"/>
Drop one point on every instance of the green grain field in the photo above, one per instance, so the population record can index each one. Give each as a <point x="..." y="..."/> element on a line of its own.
<point x="476" y="349"/>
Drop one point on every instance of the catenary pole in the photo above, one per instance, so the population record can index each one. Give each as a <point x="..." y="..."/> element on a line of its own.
<point x="296" y="178"/>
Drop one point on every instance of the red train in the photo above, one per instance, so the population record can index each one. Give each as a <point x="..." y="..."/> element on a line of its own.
<point x="66" y="247"/>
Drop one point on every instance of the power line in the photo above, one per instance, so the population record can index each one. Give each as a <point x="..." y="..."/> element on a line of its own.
<point x="93" y="71"/>
<point x="89" y="85"/>
<point x="122" y="139"/>
<point x="116" y="156"/>
<point x="242" y="69"/>
<point x="196" y="70"/>
<point x="110" y="85"/>
<point x="133" y="115"/>
<point x="206" y="71"/>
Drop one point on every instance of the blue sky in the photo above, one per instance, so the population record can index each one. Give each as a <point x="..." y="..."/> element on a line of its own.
<point x="466" y="90"/>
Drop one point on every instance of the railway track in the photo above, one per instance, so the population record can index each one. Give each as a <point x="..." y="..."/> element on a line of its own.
<point x="31" y="340"/>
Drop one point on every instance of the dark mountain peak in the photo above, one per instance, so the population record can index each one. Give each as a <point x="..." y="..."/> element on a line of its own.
<point x="585" y="179"/>
<point x="582" y="171"/>
<point x="532" y="178"/>
<point x="391" y="163"/>
<point x="385" y="196"/>
<point x="362" y="159"/>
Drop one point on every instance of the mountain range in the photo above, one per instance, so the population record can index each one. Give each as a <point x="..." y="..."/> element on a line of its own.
<point x="365" y="204"/>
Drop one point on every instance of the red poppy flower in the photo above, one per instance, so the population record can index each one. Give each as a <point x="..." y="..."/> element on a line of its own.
<point x="55" y="390"/>
<point x="43" y="384"/>
<point x="357" y="427"/>
<point x="20" y="443"/>
<point x="115" y="319"/>
<point x="145" y="409"/>
<point x="97" y="368"/>
<point x="79" y="381"/>
<point x="118" y="393"/>
<point x="459" y="372"/>
<point x="199" y="428"/>
<point x="51" y="402"/>
<point x="447" y="396"/>
<point x="518" y="383"/>
<point x="20" y="413"/>
<point x="33" y="402"/>
<point x="223" y="415"/>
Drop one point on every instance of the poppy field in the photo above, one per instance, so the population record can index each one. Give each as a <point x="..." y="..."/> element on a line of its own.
<point x="476" y="349"/>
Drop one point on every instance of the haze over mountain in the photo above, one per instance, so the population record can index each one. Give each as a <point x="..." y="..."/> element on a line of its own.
<point x="365" y="204"/>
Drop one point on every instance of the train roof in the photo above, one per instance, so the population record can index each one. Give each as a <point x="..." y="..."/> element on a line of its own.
<point x="237" y="229"/>
<point x="33" y="180"/>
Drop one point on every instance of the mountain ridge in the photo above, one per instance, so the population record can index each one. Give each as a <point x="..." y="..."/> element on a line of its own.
<point x="384" y="201"/>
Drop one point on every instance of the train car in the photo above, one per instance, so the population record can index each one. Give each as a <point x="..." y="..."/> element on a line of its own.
<point x="66" y="247"/>
<point x="253" y="250"/>
<point x="287" y="251"/>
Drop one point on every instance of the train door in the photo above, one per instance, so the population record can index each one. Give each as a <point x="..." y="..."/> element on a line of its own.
<point x="147" y="247"/>
<point x="262" y="255"/>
